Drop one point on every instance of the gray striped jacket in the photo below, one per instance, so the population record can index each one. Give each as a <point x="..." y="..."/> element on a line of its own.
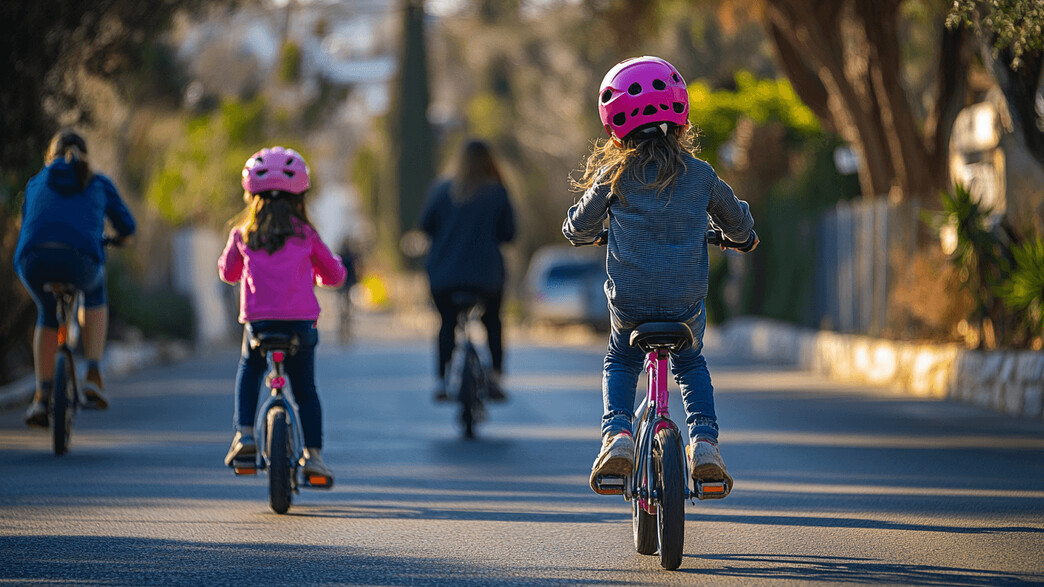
<point x="657" y="251"/>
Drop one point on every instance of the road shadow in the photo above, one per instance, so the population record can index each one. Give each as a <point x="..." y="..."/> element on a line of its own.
<point x="119" y="560"/>
<point x="838" y="569"/>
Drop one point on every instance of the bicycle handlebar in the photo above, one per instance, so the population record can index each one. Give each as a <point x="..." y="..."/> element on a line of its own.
<point x="717" y="237"/>
<point x="714" y="237"/>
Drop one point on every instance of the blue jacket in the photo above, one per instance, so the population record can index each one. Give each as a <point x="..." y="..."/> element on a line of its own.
<point x="657" y="249"/>
<point x="57" y="210"/>
<point x="466" y="237"/>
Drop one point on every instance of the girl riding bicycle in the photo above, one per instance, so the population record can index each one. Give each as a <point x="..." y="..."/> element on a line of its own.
<point x="276" y="254"/>
<point x="63" y="222"/>
<point x="657" y="197"/>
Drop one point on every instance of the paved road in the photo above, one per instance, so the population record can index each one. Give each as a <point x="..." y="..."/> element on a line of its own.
<point x="835" y="484"/>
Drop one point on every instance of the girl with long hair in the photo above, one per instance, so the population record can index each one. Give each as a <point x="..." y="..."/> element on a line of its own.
<point x="646" y="180"/>
<point x="276" y="254"/>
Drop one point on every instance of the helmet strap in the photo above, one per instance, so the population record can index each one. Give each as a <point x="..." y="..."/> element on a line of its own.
<point x="616" y="140"/>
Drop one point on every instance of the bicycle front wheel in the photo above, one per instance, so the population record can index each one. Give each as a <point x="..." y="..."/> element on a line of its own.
<point x="669" y="465"/>
<point x="279" y="455"/>
<point x="63" y="402"/>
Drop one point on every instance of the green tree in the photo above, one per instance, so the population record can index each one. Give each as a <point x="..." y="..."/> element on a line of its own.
<point x="411" y="132"/>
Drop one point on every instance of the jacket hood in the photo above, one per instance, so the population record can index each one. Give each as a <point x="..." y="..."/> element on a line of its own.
<point x="62" y="178"/>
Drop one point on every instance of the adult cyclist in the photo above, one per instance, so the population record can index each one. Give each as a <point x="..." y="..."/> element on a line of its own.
<point x="63" y="223"/>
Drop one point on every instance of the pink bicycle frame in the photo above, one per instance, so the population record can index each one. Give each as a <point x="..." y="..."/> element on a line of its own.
<point x="658" y="395"/>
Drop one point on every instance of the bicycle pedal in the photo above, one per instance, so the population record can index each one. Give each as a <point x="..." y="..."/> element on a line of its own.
<point x="244" y="467"/>
<point x="318" y="481"/>
<point x="610" y="484"/>
<point x="711" y="489"/>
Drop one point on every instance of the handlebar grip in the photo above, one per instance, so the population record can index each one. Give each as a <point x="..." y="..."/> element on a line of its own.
<point x="716" y="237"/>
<point x="600" y="241"/>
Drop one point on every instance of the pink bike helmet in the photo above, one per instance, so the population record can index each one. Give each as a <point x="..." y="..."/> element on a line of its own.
<point x="275" y="169"/>
<point x="641" y="91"/>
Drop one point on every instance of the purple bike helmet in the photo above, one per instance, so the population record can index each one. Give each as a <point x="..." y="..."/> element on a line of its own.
<point x="641" y="91"/>
<point x="275" y="169"/>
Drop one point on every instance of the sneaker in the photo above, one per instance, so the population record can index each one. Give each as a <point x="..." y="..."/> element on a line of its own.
<point x="495" y="392"/>
<point x="705" y="463"/>
<point x="315" y="470"/>
<point x="616" y="457"/>
<point x="38" y="416"/>
<point x="243" y="448"/>
<point x="92" y="391"/>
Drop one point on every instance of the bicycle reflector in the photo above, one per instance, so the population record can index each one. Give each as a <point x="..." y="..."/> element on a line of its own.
<point x="278" y="356"/>
<point x="279" y="382"/>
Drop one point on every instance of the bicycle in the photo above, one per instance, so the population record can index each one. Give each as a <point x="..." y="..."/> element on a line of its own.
<point x="468" y="374"/>
<point x="281" y="438"/>
<point x="658" y="485"/>
<point x="66" y="395"/>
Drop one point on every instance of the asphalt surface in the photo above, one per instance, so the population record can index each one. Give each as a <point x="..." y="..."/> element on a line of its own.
<point x="834" y="484"/>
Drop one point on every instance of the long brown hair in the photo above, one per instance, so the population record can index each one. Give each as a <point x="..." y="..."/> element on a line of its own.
<point x="611" y="160"/>
<point x="69" y="145"/>
<point x="270" y="219"/>
<point x="475" y="168"/>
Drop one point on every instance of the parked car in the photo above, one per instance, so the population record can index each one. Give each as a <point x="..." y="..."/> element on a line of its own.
<point x="565" y="285"/>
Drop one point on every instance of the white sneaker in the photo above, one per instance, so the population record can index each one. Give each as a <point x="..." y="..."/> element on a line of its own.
<point x="616" y="458"/>
<point x="706" y="464"/>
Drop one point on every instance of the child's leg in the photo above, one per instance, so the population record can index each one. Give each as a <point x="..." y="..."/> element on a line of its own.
<point x="300" y="368"/>
<point x="623" y="363"/>
<point x="252" y="366"/>
<point x="690" y="371"/>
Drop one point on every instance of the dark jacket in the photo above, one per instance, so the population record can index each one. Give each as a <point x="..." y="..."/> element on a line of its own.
<point x="58" y="210"/>
<point x="466" y="237"/>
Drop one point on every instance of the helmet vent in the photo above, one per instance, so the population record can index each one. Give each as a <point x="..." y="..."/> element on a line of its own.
<point x="634" y="89"/>
<point x="675" y="77"/>
<point x="634" y="113"/>
<point x="608" y="93"/>
<point x="678" y="107"/>
<point x="619" y="119"/>
<point x="288" y="173"/>
<point x="650" y="109"/>
<point x="659" y="84"/>
<point x="261" y="172"/>
<point x="289" y="161"/>
<point x="664" y="107"/>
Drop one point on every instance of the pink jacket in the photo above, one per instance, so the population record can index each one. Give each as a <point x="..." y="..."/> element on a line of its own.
<point x="280" y="286"/>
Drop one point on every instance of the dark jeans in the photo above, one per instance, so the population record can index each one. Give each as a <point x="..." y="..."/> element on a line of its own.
<point x="300" y="370"/>
<point x="45" y="264"/>
<point x="490" y="319"/>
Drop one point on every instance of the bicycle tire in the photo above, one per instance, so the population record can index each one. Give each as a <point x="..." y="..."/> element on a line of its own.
<point x="63" y="402"/>
<point x="279" y="454"/>
<point x="670" y="513"/>
<point x="470" y="404"/>
<point x="644" y="526"/>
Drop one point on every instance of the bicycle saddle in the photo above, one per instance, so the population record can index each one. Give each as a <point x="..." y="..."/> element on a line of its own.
<point x="267" y="342"/>
<point x="651" y="336"/>
<point x="465" y="299"/>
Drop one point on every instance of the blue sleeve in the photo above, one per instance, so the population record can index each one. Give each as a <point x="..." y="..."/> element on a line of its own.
<point x="115" y="210"/>
<point x="429" y="218"/>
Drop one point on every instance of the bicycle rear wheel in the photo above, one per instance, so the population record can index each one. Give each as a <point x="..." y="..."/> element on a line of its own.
<point x="279" y="454"/>
<point x="470" y="404"/>
<point x="63" y="402"/>
<point x="670" y="513"/>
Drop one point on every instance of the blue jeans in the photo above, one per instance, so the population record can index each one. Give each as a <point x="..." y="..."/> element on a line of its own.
<point x="624" y="363"/>
<point x="45" y="264"/>
<point x="300" y="369"/>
